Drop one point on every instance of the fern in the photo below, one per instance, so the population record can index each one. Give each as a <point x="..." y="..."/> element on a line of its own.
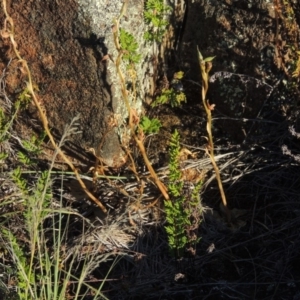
<point x="21" y="263"/>
<point x="155" y="12"/>
<point x="173" y="95"/>
<point x="24" y="159"/>
<point x="169" y="96"/>
<point x="3" y="126"/>
<point x="149" y="125"/>
<point x="19" y="181"/>
<point x="129" y="46"/>
<point x="32" y="147"/>
<point x="6" y="122"/>
<point x="34" y="144"/>
<point x="176" y="215"/>
<point x="182" y="211"/>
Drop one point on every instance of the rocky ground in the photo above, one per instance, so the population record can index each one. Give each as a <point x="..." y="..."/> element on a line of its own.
<point x="255" y="123"/>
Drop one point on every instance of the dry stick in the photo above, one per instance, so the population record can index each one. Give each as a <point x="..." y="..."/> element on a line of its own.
<point x="140" y="144"/>
<point x="10" y="33"/>
<point x="205" y="67"/>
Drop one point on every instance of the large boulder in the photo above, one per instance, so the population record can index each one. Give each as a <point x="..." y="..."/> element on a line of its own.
<point x="70" y="50"/>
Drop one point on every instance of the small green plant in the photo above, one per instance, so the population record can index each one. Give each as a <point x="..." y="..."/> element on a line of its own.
<point x="180" y="209"/>
<point x="34" y="144"/>
<point x="32" y="148"/>
<point x="169" y="96"/>
<point x="130" y="56"/>
<point x="5" y="121"/>
<point x="129" y="47"/>
<point x="287" y="56"/>
<point x="47" y="274"/>
<point x="3" y="156"/>
<point x="20" y="260"/>
<point x="296" y="72"/>
<point x="155" y="13"/>
<point x="3" y="126"/>
<point x="149" y="125"/>
<point x="172" y="95"/>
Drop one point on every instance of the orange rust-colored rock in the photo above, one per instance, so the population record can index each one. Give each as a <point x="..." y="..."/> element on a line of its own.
<point x="64" y="57"/>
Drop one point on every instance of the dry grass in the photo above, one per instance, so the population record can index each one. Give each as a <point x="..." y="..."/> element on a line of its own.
<point x="255" y="261"/>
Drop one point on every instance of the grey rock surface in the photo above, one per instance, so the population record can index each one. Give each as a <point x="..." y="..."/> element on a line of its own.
<point x="101" y="15"/>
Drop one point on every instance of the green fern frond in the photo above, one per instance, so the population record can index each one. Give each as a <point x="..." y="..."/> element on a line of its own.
<point x="149" y="125"/>
<point x="129" y="46"/>
<point x="182" y="213"/>
<point x="154" y="14"/>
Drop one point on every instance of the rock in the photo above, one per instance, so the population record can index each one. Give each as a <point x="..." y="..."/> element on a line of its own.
<point x="241" y="36"/>
<point x="70" y="50"/>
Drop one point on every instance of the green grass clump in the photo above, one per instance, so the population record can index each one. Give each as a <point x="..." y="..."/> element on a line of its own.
<point x="34" y="224"/>
<point x="41" y="266"/>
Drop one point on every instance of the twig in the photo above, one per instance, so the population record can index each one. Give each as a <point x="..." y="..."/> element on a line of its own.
<point x="205" y="67"/>
<point x="140" y="144"/>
